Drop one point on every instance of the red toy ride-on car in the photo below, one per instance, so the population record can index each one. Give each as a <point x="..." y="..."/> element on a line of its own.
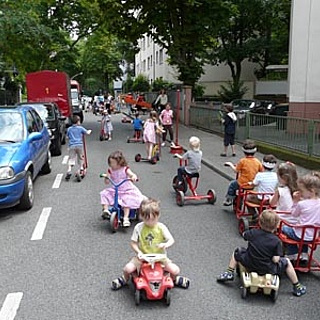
<point x="153" y="280"/>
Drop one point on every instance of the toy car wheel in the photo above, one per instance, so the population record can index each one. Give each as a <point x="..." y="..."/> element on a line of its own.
<point x="153" y="160"/>
<point x="174" y="183"/>
<point x="180" y="198"/>
<point x="244" y="292"/>
<point x="128" y="140"/>
<point x="114" y="221"/>
<point x="101" y="137"/>
<point x="137" y="158"/>
<point x="167" y="297"/>
<point x="243" y="225"/>
<point x="213" y="196"/>
<point x="137" y="297"/>
<point x="274" y="295"/>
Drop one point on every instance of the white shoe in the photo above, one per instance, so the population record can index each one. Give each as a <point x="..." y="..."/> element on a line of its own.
<point x="163" y="144"/>
<point x="126" y="222"/>
<point x="292" y="257"/>
<point x="304" y="256"/>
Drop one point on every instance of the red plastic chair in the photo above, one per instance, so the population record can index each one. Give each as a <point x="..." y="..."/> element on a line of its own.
<point x="313" y="264"/>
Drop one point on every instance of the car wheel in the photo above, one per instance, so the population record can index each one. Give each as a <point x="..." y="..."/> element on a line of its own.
<point x="46" y="169"/>
<point x="27" y="198"/>
<point x="57" y="147"/>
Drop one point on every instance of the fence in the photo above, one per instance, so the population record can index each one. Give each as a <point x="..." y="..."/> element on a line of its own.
<point x="293" y="133"/>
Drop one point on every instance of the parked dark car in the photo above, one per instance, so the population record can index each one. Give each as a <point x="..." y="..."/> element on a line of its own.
<point x="55" y="122"/>
<point x="280" y="109"/>
<point x="24" y="153"/>
<point x="242" y="106"/>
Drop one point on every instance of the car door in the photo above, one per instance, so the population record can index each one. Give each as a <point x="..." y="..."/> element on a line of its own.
<point x="37" y="147"/>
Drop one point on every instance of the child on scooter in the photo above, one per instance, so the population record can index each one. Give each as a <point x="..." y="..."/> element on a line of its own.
<point x="107" y="124"/>
<point x="129" y="195"/>
<point x="193" y="157"/>
<point x="137" y="126"/>
<point x="150" y="236"/>
<point x="264" y="254"/>
<point x="151" y="129"/>
<point x="75" y="135"/>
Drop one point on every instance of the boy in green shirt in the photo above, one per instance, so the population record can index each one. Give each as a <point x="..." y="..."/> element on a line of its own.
<point x="150" y="236"/>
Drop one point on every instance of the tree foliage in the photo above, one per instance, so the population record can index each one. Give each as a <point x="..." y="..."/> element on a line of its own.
<point x="256" y="30"/>
<point x="182" y="27"/>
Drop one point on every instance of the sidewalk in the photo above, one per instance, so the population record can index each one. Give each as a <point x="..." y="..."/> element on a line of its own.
<point x="212" y="146"/>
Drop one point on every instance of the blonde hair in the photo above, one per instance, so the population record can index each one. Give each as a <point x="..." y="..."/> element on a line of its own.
<point x="287" y="171"/>
<point x="269" y="220"/>
<point x="149" y="207"/>
<point x="194" y="143"/>
<point x="311" y="182"/>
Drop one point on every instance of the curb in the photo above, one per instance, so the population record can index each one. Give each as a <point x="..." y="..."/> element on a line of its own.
<point x="213" y="167"/>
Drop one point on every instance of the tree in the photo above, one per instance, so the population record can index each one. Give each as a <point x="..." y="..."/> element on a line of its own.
<point x="249" y="33"/>
<point x="141" y="83"/>
<point x="182" y="27"/>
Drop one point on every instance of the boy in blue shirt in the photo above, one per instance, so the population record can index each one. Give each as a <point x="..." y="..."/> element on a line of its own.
<point x="137" y="126"/>
<point x="75" y="135"/>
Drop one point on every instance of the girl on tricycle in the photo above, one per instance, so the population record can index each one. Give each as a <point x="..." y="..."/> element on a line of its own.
<point x="129" y="196"/>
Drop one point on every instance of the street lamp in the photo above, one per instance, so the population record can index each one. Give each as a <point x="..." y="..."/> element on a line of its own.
<point x="78" y="74"/>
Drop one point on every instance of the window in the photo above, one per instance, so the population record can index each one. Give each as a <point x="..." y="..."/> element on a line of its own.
<point x="143" y="45"/>
<point x="38" y="120"/>
<point x="157" y="57"/>
<point x="161" y="56"/>
<point x="148" y="63"/>
<point x="144" y="66"/>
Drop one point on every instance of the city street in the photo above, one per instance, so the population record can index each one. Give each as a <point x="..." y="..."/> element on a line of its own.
<point x="65" y="271"/>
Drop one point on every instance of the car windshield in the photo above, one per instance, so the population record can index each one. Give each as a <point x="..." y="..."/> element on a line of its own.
<point x="74" y="95"/>
<point x="45" y="112"/>
<point x="11" y="127"/>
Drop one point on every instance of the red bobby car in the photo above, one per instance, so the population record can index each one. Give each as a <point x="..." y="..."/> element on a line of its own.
<point x="153" y="280"/>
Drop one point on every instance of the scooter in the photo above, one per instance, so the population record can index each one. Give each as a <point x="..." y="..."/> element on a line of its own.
<point x="152" y="280"/>
<point x="116" y="211"/>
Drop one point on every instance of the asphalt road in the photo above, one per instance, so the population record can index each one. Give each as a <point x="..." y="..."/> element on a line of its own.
<point x="66" y="274"/>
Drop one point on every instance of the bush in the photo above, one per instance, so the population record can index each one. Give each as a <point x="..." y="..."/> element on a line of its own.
<point x="159" y="84"/>
<point x="141" y="84"/>
<point x="233" y="90"/>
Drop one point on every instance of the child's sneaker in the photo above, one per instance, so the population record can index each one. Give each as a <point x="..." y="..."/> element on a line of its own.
<point x="78" y="177"/>
<point x="105" y="214"/>
<point x="227" y="202"/>
<point x="182" y="282"/>
<point x="126" y="222"/>
<point x="68" y="176"/>
<point x="299" y="290"/>
<point x="118" y="283"/>
<point x="226" y="276"/>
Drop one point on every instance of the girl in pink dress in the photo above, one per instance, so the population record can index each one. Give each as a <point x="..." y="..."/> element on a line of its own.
<point x="150" y="129"/>
<point x="129" y="196"/>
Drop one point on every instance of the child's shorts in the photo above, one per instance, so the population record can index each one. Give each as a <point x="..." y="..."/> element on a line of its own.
<point x="228" y="139"/>
<point x="278" y="268"/>
<point x="138" y="262"/>
<point x="75" y="154"/>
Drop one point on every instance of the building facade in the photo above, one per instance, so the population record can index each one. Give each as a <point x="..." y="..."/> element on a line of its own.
<point x="151" y="61"/>
<point x="304" y="64"/>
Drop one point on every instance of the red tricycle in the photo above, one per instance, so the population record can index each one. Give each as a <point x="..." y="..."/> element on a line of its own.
<point x="188" y="181"/>
<point x="152" y="280"/>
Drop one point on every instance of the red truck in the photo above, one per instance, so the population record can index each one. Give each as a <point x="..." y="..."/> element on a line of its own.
<point x="50" y="86"/>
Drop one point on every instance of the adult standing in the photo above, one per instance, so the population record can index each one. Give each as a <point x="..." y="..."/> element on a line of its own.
<point x="162" y="100"/>
<point x="166" y="117"/>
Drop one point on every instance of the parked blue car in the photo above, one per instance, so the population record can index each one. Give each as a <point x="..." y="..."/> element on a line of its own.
<point x="24" y="153"/>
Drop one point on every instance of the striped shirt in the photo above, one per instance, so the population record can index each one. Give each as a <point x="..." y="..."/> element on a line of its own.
<point x="265" y="182"/>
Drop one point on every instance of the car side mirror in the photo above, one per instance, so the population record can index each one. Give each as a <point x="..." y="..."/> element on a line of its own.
<point x="35" y="136"/>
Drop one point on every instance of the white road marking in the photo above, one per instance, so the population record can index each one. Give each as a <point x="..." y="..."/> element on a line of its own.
<point x="57" y="181"/>
<point x="65" y="159"/>
<point x="10" y="306"/>
<point x="41" y="225"/>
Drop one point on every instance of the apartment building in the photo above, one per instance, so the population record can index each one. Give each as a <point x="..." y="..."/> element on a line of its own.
<point x="151" y="61"/>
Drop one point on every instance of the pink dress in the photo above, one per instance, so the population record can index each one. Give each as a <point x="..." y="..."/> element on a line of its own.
<point x="149" y="132"/>
<point x="129" y="195"/>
